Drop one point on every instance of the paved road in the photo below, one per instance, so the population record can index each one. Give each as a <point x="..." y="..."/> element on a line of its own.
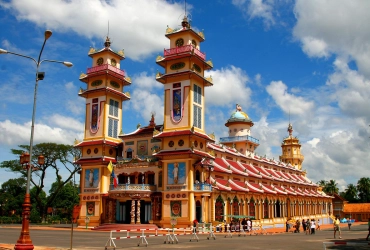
<point x="60" y="240"/>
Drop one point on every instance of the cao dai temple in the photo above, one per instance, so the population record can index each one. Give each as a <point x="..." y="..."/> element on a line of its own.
<point x="177" y="170"/>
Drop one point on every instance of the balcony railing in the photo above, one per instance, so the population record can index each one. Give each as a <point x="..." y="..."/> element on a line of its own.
<point x="105" y="67"/>
<point x="239" y="138"/>
<point x="202" y="187"/>
<point x="133" y="187"/>
<point x="184" y="49"/>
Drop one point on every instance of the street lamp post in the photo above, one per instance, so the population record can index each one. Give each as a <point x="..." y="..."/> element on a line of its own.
<point x="24" y="242"/>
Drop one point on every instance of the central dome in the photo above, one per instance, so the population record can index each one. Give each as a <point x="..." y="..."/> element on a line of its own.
<point x="239" y="115"/>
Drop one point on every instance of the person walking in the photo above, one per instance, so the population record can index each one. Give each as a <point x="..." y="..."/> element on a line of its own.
<point x="336" y="224"/>
<point x="368" y="225"/>
<point x="349" y="223"/>
<point x="308" y="226"/>
<point x="313" y="226"/>
<point x="304" y="225"/>
<point x="318" y="224"/>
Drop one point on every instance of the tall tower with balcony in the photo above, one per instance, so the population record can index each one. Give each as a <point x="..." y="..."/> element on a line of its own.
<point x="104" y="96"/>
<point x="183" y="135"/>
<point x="291" y="149"/>
<point x="239" y="125"/>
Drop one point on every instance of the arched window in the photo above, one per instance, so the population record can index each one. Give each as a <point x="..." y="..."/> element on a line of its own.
<point x="266" y="209"/>
<point x="219" y="209"/>
<point x="277" y="209"/>
<point x="252" y="209"/>
<point x="235" y="206"/>
<point x="197" y="175"/>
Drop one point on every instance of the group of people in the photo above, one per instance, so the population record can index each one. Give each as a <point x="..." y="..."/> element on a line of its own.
<point x="236" y="225"/>
<point x="308" y="226"/>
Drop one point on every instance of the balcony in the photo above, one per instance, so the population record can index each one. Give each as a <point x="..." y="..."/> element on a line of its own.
<point x="202" y="187"/>
<point x="104" y="67"/>
<point x="239" y="138"/>
<point x="184" y="49"/>
<point x="133" y="187"/>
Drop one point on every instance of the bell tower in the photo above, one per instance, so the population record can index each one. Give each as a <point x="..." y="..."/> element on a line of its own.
<point x="291" y="150"/>
<point x="184" y="81"/>
<point x="103" y="121"/>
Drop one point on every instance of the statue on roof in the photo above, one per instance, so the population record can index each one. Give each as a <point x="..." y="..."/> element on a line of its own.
<point x="290" y="129"/>
<point x="238" y="108"/>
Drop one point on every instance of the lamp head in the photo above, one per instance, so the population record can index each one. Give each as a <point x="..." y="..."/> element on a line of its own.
<point x="68" y="64"/>
<point x="48" y="34"/>
<point x="3" y="51"/>
<point x="40" y="75"/>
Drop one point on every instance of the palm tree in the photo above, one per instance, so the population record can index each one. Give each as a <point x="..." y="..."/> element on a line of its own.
<point x="322" y="183"/>
<point x="363" y="187"/>
<point x="350" y="193"/>
<point x="331" y="187"/>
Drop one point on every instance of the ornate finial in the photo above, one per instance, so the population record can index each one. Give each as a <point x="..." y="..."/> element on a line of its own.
<point x="290" y="129"/>
<point x="151" y="122"/>
<point x="107" y="42"/>
<point x="185" y="23"/>
<point x="238" y="108"/>
<point x="138" y="125"/>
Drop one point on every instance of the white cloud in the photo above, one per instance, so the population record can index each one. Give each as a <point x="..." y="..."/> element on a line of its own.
<point x="16" y="134"/>
<point x="146" y="98"/>
<point x="65" y="122"/>
<point x="335" y="27"/>
<point x="288" y="102"/>
<point x="235" y="81"/>
<point x="257" y="9"/>
<point x="90" y="19"/>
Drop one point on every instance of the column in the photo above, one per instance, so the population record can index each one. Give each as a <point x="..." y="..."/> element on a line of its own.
<point x="138" y="213"/>
<point x="132" y="213"/>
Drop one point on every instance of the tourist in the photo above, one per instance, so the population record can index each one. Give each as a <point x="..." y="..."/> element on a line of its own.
<point x="336" y="224"/>
<point x="313" y="226"/>
<point x="304" y="225"/>
<point x="308" y="226"/>
<point x="349" y="224"/>
<point x="318" y="224"/>
<point x="368" y="225"/>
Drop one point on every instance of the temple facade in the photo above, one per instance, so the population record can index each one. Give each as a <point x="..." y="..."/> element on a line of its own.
<point x="176" y="170"/>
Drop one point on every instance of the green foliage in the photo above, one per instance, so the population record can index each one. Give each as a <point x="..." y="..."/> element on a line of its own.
<point x="57" y="156"/>
<point x="329" y="187"/>
<point x="12" y="196"/>
<point x="363" y="187"/>
<point x="350" y="193"/>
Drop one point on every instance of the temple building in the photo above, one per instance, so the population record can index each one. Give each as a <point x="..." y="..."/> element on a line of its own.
<point x="177" y="170"/>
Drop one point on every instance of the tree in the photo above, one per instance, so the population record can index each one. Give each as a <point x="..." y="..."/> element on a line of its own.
<point x="56" y="155"/>
<point x="331" y="187"/>
<point x="363" y="187"/>
<point x="350" y="193"/>
<point x="66" y="199"/>
<point x="12" y="196"/>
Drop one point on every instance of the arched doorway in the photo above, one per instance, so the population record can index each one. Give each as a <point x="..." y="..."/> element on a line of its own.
<point x="198" y="211"/>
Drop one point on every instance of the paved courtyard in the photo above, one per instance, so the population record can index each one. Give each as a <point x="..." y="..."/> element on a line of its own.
<point x="52" y="238"/>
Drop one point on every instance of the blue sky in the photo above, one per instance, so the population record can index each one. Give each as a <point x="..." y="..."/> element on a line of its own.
<point x="303" y="61"/>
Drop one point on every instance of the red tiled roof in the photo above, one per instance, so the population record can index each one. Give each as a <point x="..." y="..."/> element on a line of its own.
<point x="221" y="184"/>
<point x="268" y="189"/>
<point x="280" y="190"/>
<point x="182" y="132"/>
<point x="357" y="208"/>
<point x="95" y="160"/>
<point x="251" y="171"/>
<point x="97" y="142"/>
<point x="263" y="172"/>
<point x="221" y="166"/>
<point x="253" y="187"/>
<point x="236" y="168"/>
<point x="238" y="186"/>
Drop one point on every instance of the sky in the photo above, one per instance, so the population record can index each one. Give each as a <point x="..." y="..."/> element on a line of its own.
<point x="304" y="62"/>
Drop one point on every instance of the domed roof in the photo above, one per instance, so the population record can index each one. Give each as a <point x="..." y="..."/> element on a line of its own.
<point x="239" y="115"/>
